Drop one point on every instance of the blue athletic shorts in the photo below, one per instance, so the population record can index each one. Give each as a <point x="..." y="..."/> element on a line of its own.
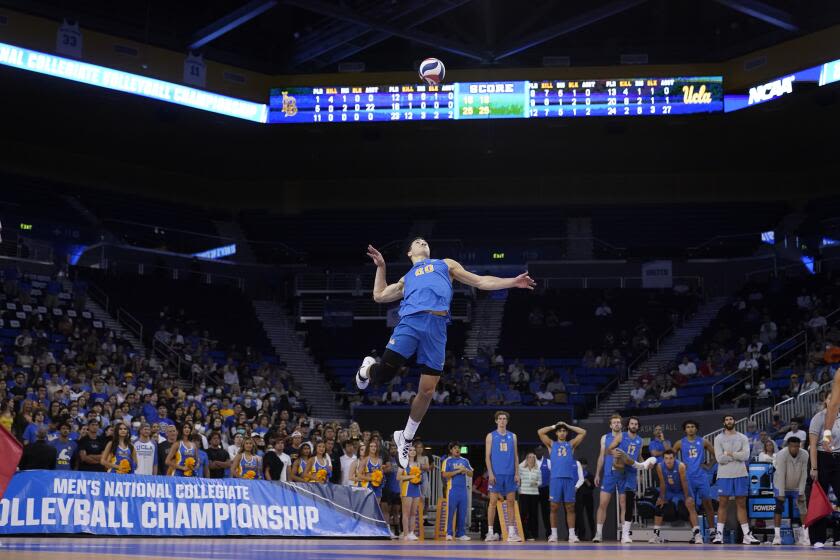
<point x="504" y="485"/>
<point x="736" y="487"/>
<point x="617" y="480"/>
<point x="424" y="334"/>
<point x="561" y="490"/>
<point x="699" y="488"/>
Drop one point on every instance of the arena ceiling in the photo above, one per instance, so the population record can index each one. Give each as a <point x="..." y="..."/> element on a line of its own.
<point x="303" y="36"/>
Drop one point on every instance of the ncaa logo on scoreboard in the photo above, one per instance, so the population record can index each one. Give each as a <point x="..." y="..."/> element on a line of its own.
<point x="195" y="71"/>
<point x="289" y="105"/>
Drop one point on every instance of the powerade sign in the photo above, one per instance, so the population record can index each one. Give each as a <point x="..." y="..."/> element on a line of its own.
<point x="44" y="502"/>
<point x="126" y="82"/>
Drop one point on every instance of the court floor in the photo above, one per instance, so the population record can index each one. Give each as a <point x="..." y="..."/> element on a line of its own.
<point x="12" y="548"/>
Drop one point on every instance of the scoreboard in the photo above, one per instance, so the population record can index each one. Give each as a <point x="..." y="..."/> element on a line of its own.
<point x="621" y="97"/>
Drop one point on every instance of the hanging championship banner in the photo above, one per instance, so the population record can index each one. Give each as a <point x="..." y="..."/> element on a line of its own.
<point x="195" y="71"/>
<point x="48" y="502"/>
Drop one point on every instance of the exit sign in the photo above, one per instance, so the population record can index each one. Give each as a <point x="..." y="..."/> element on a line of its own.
<point x="498" y="256"/>
<point x="25" y="227"/>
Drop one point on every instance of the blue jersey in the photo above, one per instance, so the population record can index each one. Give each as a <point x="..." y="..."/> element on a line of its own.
<point x="251" y="465"/>
<point x="124" y="454"/>
<point x="317" y="467"/>
<point x="182" y="457"/>
<point x="457" y="483"/>
<point x="64" y="454"/>
<point x="427" y="287"/>
<point x="656" y="445"/>
<point x="673" y="484"/>
<point x="563" y="464"/>
<point x="502" y="453"/>
<point x="693" y="455"/>
<point x="631" y="445"/>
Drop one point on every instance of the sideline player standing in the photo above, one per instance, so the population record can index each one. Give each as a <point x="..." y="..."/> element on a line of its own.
<point x="626" y="449"/>
<point x="454" y="470"/>
<point x="675" y="499"/>
<point x="564" y="474"/>
<point x="732" y="450"/>
<point x="502" y="457"/>
<point x="426" y="292"/>
<point x="693" y="450"/>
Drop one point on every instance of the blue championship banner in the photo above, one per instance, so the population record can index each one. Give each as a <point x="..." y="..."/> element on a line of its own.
<point x="46" y="502"/>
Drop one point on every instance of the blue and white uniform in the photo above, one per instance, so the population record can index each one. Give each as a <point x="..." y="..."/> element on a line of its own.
<point x="564" y="473"/>
<point x="369" y="468"/>
<point x="503" y="461"/>
<point x="124" y="454"/>
<point x="673" y="484"/>
<point x="317" y="467"/>
<point x="694" y="455"/>
<point x="426" y="287"/>
<point x="457" y="492"/>
<point x="181" y="455"/>
<point x="249" y="465"/>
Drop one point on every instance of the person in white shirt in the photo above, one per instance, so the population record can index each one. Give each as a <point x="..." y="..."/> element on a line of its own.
<point x="687" y="367"/>
<point x="808" y="384"/>
<point x="408" y="394"/>
<point x="668" y="391"/>
<point x="804" y="301"/>
<point x="441" y="395"/>
<point x="147" y="459"/>
<point x="796" y="431"/>
<point x="748" y="363"/>
<point x="233" y="450"/>
<point x="638" y="393"/>
<point x="391" y="395"/>
<point x="347" y="460"/>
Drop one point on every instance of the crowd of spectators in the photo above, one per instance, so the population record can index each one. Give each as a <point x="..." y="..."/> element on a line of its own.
<point x="743" y="340"/>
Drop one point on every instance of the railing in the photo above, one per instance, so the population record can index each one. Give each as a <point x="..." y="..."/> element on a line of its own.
<point x="802" y="405"/>
<point x="167" y="354"/>
<point x="131" y="323"/>
<point x="368" y="310"/>
<point x="716" y="396"/>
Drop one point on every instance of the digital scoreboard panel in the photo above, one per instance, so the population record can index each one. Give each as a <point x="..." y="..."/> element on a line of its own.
<point x="622" y="97"/>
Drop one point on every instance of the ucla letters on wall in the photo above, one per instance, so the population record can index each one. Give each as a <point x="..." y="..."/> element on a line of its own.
<point x="46" y="502"/>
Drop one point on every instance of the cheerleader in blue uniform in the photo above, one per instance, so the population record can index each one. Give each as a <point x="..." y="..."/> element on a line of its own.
<point x="411" y="480"/>
<point x="119" y="455"/>
<point x="319" y="467"/>
<point x="183" y="457"/>
<point x="298" y="473"/>
<point x="247" y="464"/>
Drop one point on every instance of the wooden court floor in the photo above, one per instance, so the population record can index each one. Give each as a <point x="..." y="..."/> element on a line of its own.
<point x="13" y="548"/>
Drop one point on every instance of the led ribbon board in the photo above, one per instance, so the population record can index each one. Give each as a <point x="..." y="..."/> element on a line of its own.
<point x="617" y="97"/>
<point x="126" y="82"/>
<point x="776" y="88"/>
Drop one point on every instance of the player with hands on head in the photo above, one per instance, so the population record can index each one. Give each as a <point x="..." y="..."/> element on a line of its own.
<point x="564" y="473"/>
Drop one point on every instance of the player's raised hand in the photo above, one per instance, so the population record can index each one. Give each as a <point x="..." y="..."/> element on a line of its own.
<point x="524" y="281"/>
<point x="375" y="256"/>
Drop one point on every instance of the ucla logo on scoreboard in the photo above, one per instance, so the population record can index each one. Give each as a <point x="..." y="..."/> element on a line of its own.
<point x="289" y="105"/>
<point x="701" y="96"/>
<point x="68" y="40"/>
<point x="195" y="71"/>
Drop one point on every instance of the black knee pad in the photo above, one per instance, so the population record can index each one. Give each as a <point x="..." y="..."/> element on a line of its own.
<point x="383" y="372"/>
<point x="630" y="500"/>
<point x="780" y="507"/>
<point x="682" y="512"/>
<point x="668" y="512"/>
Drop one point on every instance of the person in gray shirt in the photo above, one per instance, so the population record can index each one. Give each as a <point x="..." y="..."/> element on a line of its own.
<point x="732" y="450"/>
<point x="825" y="461"/>
<point x="791" y="473"/>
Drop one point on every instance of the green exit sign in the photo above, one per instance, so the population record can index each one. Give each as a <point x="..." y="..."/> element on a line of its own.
<point x="464" y="450"/>
<point x="25" y="227"/>
<point x="498" y="256"/>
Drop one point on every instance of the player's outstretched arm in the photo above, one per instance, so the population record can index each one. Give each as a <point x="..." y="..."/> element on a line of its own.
<point x="464" y="276"/>
<point x="382" y="291"/>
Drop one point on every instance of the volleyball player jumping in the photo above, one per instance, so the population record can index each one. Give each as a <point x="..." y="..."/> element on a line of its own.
<point x="426" y="292"/>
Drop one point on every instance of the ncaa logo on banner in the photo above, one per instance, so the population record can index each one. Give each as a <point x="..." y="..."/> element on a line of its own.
<point x="195" y="71"/>
<point x="68" y="40"/>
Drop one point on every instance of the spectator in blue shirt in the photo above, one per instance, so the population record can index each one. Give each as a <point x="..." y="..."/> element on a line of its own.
<point x="658" y="444"/>
<point x="65" y="448"/>
<point x="30" y="434"/>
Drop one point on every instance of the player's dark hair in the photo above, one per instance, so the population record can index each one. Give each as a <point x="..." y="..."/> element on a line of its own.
<point x="453" y="444"/>
<point x="728" y="416"/>
<point x="413" y="239"/>
<point x="636" y="418"/>
<point x="669" y="452"/>
<point x="794" y="439"/>
<point x="694" y="422"/>
<point x="501" y="413"/>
